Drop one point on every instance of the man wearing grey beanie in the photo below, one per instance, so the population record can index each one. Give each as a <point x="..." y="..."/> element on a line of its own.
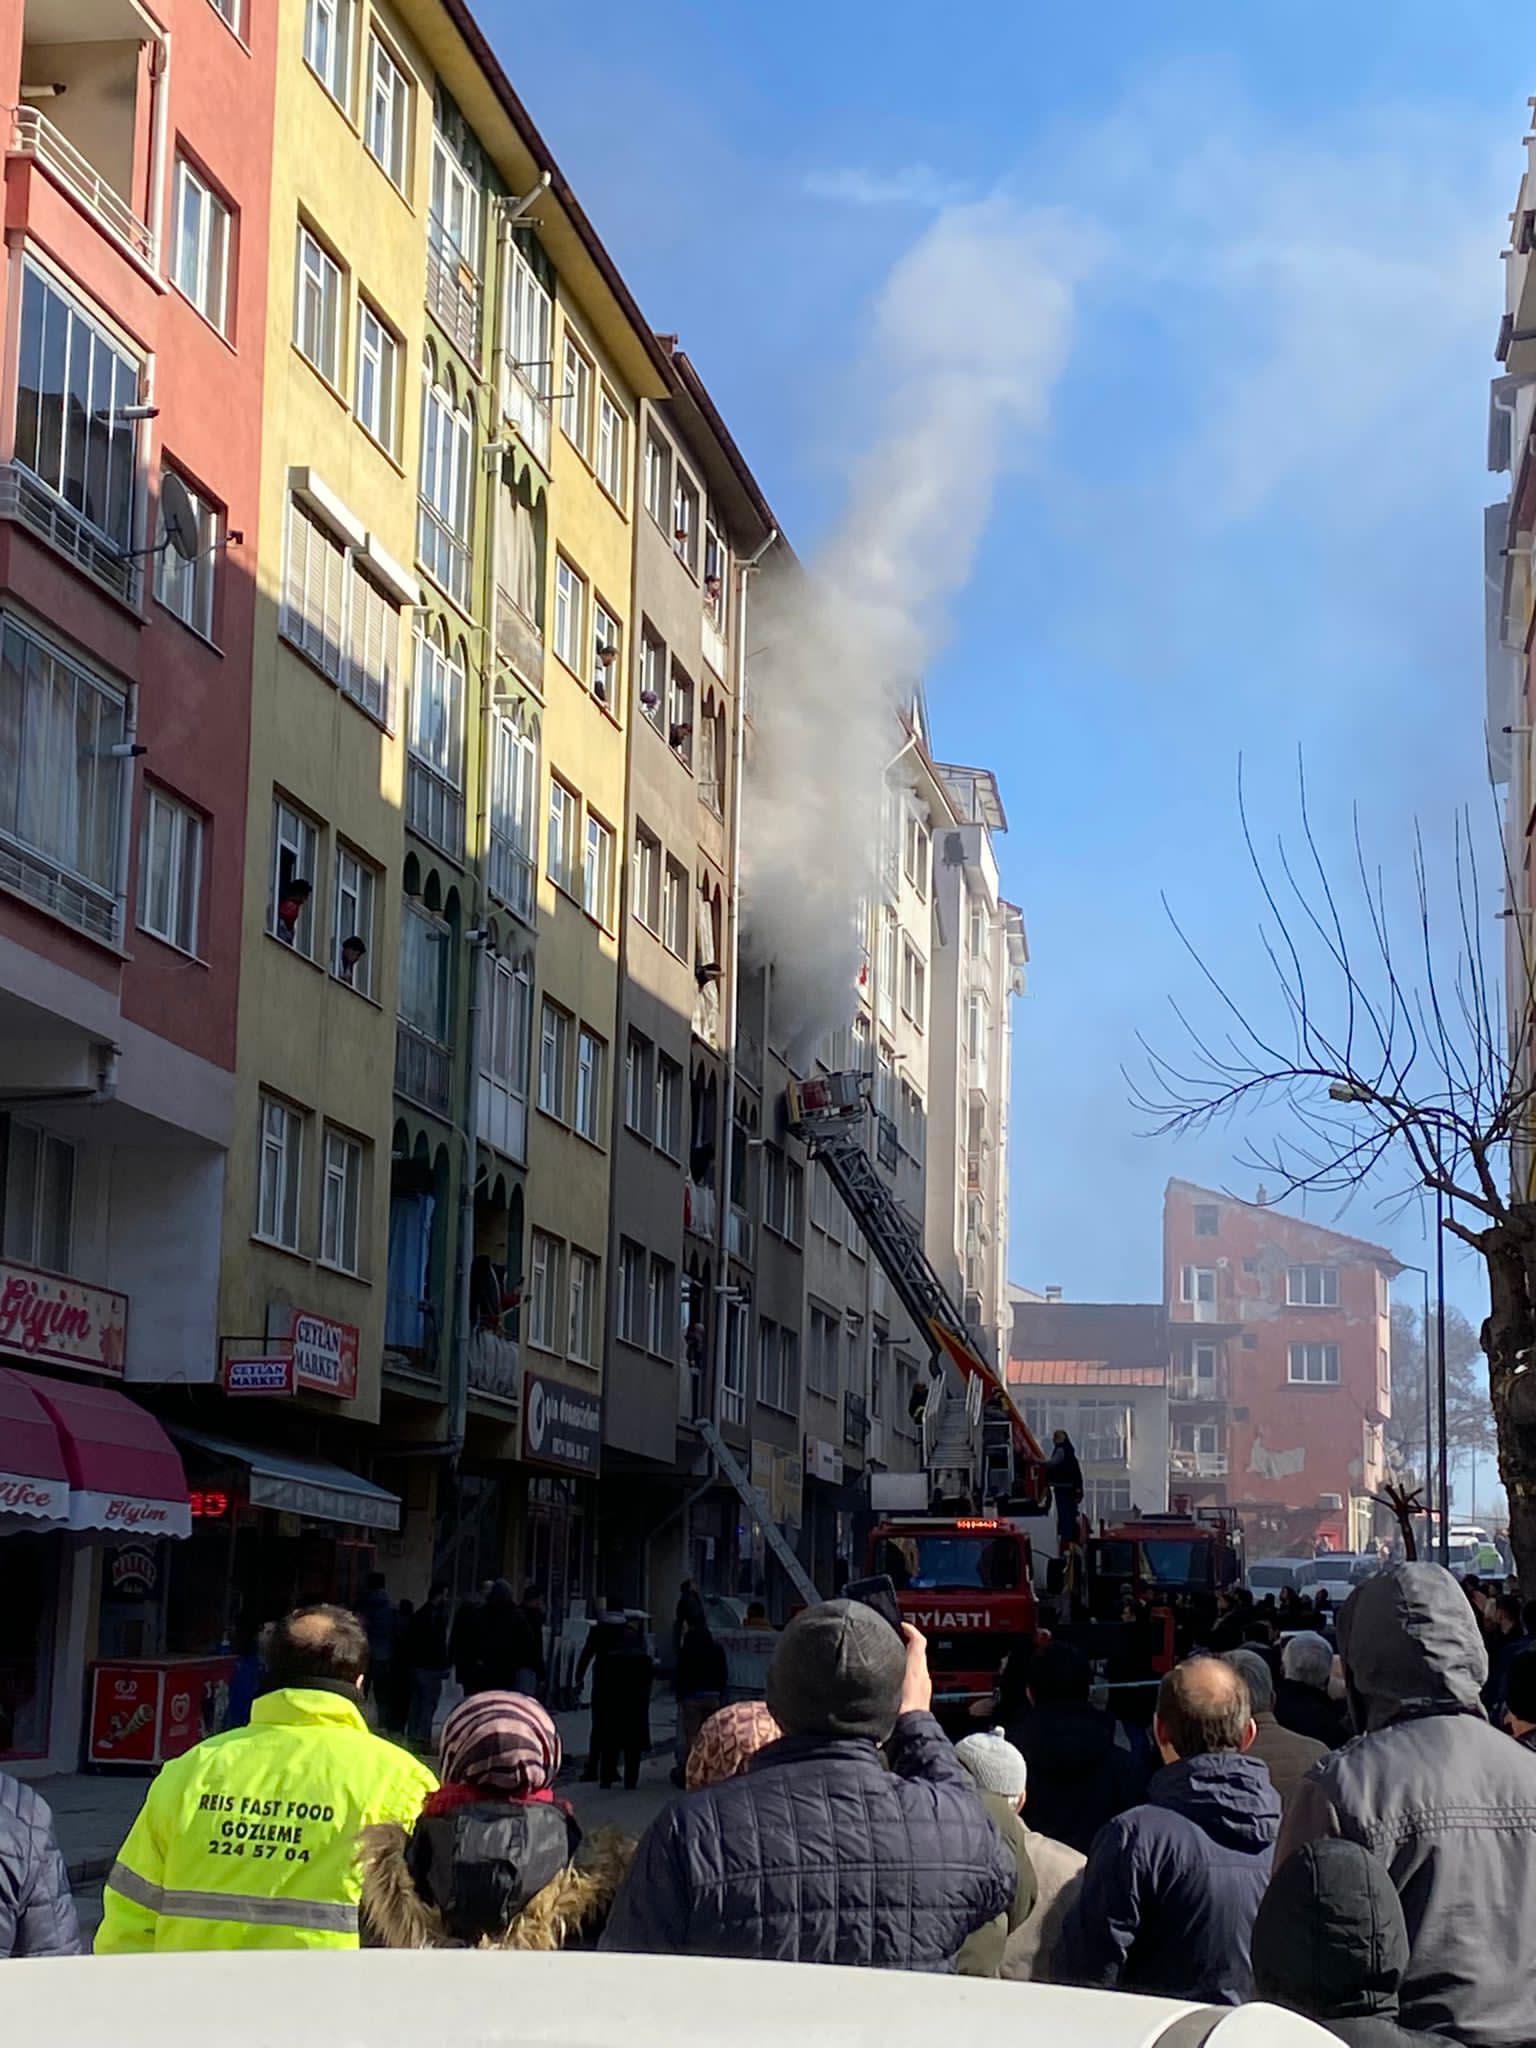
<point x="823" y="1850"/>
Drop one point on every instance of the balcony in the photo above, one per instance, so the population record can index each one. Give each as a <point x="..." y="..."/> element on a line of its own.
<point x="714" y="635"/>
<point x="738" y="1234"/>
<point x="34" y="506"/>
<point x="423" y="1070"/>
<point x="1197" y="1386"/>
<point x="411" y="1331"/>
<point x="511" y="876"/>
<point x="1198" y="1464"/>
<point x="434" y="809"/>
<point x="519" y="645"/>
<point x="453" y="293"/>
<point x="495" y="1367"/>
<point x="524" y="406"/>
<point x="976" y="1074"/>
<point x="33" y="135"/>
<point x="700" y="1212"/>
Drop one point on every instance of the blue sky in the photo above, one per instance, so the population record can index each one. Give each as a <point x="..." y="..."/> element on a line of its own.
<point x="1251" y="520"/>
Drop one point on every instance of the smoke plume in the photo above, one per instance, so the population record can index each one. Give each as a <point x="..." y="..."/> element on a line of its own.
<point x="968" y="336"/>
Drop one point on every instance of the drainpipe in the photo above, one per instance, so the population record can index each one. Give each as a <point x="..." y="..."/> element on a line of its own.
<point x="125" y="754"/>
<point x="744" y="571"/>
<point x="159" y="143"/>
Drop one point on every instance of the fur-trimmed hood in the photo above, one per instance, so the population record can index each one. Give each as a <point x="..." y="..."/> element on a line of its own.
<point x="568" y="1911"/>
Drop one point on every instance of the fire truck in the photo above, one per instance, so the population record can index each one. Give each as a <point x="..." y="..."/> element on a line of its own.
<point x="965" y="1582"/>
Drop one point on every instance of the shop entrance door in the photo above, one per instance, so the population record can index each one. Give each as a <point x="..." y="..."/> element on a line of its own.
<point x="29" y="1572"/>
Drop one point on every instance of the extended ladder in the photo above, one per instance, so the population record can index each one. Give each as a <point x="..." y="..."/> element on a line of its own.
<point x="757" y="1507"/>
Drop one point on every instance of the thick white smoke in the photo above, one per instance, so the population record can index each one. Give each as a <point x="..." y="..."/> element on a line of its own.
<point x="968" y="337"/>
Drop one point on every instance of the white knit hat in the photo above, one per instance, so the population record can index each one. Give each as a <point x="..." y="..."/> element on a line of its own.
<point x="994" y="1763"/>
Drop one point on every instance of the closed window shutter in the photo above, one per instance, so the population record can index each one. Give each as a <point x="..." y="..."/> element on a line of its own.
<point x="298" y="571"/>
<point x="333" y="593"/>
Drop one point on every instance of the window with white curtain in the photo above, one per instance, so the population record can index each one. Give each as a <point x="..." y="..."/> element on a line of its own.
<point x="170" y="870"/>
<point x="341" y="1203"/>
<point x="279" y="1173"/>
<point x="37" y="1196"/>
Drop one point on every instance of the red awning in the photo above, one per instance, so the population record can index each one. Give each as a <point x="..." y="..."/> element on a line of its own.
<point x="33" y="1479"/>
<point x="124" y="1473"/>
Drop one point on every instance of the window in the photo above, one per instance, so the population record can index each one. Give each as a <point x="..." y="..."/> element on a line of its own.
<point x="377" y="403"/>
<point x="914" y="986"/>
<point x="388" y="128"/>
<point x="317" y="308"/>
<point x="658" y="477"/>
<point x="570" y="609"/>
<point x="421" y="995"/>
<point x="315" y="597"/>
<point x="890" y="957"/>
<point x="37" y="1196"/>
<point x="341" y="1202"/>
<point x="453" y="228"/>
<point x="612" y="440"/>
<point x="631" y="1293"/>
<point x="554" y="1061"/>
<point x="513" y="800"/>
<point x="1207" y="1219"/>
<point x="597" y="871"/>
<point x="185" y="586"/>
<point x="282" y="1161"/>
<point x="669" y="1106"/>
<point x="295" y="860"/>
<point x="507" y="1013"/>
<point x="170" y="870"/>
<point x="977" y="942"/>
<point x="685" y="521"/>
<point x="660" y="1307"/>
<point x="653" y="675"/>
<point x="1103" y="1498"/>
<point x="1312" y="1286"/>
<point x="674" y="922"/>
<point x="1314" y="1365"/>
<point x="576" y="397"/>
<point x="733" y="1390"/>
<point x="560" y="853"/>
<point x="1103" y="1432"/>
<point x="352" y="922"/>
<point x="200" y="260"/>
<point x="527" y="322"/>
<point x="778" y="1368"/>
<point x="645" y="899"/>
<point x="228" y="10"/>
<point x="73" y="382"/>
<point x="442" y="524"/>
<point x="714" y="575"/>
<point x="591" y="1084"/>
<point x="584" y="1287"/>
<point x="680" y="713"/>
<point x="712" y="758"/>
<point x="435" y="768"/>
<point x="328" y="45"/>
<point x="917" y="856"/>
<point x="1202" y="1366"/>
<point x="544" y="1291"/>
<point x="639" y="1093"/>
<point x="823" y="1351"/>
<point x="605" y="652"/>
<point x="1197" y="1283"/>
<point x="373" y="647"/>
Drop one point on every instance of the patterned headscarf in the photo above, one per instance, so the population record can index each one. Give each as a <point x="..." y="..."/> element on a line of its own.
<point x="500" y="1742"/>
<point x="728" y="1738"/>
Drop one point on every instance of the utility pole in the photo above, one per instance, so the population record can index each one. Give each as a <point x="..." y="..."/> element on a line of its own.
<point x="1445" y="1468"/>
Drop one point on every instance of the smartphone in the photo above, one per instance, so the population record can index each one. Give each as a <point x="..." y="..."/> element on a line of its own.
<point x="878" y="1593"/>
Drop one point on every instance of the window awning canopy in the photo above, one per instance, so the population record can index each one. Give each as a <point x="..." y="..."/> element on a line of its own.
<point x="297" y="1485"/>
<point x="120" y="1469"/>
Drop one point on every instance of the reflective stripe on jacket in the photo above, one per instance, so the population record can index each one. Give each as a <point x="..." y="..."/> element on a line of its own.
<point x="250" y="1839"/>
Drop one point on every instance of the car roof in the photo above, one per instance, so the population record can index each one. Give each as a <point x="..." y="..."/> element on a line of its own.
<point x="398" y="1998"/>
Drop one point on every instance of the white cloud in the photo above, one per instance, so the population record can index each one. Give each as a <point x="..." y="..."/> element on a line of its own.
<point x="916" y="185"/>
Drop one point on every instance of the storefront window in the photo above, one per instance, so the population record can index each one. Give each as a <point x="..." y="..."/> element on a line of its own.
<point x="26" y="1643"/>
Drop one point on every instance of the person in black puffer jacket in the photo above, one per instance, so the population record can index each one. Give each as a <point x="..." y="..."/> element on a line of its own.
<point x="1079" y="1776"/>
<point x="37" y="1910"/>
<point x="1331" y="1943"/>
<point x="1168" y="1898"/>
<point x="1446" y="1802"/>
<point x="495" y="1861"/>
<point x="817" y="1853"/>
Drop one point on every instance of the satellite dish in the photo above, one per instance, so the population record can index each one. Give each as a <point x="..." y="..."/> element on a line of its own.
<point x="178" y="517"/>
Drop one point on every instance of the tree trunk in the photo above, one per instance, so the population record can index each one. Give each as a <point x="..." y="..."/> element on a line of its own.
<point x="1509" y="1340"/>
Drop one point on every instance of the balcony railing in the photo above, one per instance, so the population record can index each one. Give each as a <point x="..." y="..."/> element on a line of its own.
<point x="1198" y="1464"/>
<point x="495" y="1366"/>
<point x="434" y="809"/>
<point x="511" y="875"/>
<point x="423" y="1070"/>
<point x="34" y="135"/>
<point x="1189" y="1386"/>
<point x="453" y="293"/>
<point x="519" y="645"/>
<point x="23" y="498"/>
<point x="525" y="405"/>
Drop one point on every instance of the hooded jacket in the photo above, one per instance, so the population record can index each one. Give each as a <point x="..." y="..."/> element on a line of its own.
<point x="1079" y="1776"/>
<point x="37" y="1913"/>
<point x="1330" y="1942"/>
<point x="488" y="1875"/>
<point x="1171" y="1888"/>
<point x="1445" y="1801"/>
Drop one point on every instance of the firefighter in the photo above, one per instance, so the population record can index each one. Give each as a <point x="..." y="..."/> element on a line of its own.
<point x="250" y="1839"/>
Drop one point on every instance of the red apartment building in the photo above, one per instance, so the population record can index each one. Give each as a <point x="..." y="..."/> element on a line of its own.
<point x="132" y="322"/>
<point x="1279" y="1371"/>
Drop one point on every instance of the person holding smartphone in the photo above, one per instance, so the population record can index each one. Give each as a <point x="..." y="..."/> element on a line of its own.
<point x="823" y="1850"/>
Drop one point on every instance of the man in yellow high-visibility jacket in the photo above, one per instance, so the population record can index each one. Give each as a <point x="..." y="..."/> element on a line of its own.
<point x="250" y="1839"/>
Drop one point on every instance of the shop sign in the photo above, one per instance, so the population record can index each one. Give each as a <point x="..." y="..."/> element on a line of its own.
<point x="562" y="1426"/>
<point x="46" y="1500"/>
<point x="46" y="1315"/>
<point x="259" y="1375"/>
<point x="208" y="1505"/>
<point x="324" y="1352"/>
<point x="133" y="1573"/>
<point x="823" y="1461"/>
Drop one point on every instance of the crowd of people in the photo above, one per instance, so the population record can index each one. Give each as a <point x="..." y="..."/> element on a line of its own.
<point x="1369" y="1861"/>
